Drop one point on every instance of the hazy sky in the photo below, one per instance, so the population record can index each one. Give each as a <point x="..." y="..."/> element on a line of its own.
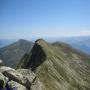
<point x="44" y="18"/>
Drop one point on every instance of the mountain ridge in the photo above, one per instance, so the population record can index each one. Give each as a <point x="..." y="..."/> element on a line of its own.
<point x="57" y="68"/>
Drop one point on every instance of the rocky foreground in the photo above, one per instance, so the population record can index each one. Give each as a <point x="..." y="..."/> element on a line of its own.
<point x="54" y="66"/>
<point x="20" y="79"/>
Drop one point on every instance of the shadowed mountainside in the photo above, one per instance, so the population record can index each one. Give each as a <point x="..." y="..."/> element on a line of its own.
<point x="14" y="52"/>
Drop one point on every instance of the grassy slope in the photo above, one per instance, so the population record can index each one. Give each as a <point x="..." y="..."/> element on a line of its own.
<point x="60" y="67"/>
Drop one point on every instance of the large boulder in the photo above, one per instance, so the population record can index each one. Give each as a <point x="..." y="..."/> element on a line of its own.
<point x="16" y="86"/>
<point x="28" y="74"/>
<point x="18" y="77"/>
<point x="3" y="81"/>
<point x="31" y="76"/>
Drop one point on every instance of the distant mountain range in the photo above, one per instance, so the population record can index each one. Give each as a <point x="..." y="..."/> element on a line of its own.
<point x="80" y="43"/>
<point x="12" y="53"/>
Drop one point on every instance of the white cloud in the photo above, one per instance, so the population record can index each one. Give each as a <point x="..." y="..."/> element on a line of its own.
<point x="63" y="33"/>
<point x="46" y="33"/>
<point x="84" y="33"/>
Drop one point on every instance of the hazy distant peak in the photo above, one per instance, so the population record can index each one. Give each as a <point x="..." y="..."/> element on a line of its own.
<point x="12" y="53"/>
<point x="62" y="44"/>
<point x="23" y="40"/>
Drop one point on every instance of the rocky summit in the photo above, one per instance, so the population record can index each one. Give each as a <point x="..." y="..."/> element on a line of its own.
<point x="47" y="66"/>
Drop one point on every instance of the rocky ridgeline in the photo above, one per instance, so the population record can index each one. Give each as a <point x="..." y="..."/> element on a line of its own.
<point x="20" y="79"/>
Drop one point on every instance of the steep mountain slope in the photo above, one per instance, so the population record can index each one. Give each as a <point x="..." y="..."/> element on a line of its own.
<point x="58" y="66"/>
<point x="14" y="52"/>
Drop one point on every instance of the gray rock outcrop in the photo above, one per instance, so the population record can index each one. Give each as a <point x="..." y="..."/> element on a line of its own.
<point x="16" y="86"/>
<point x="21" y="79"/>
<point x="3" y="81"/>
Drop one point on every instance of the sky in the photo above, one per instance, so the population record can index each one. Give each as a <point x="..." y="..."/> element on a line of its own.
<point x="44" y="18"/>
